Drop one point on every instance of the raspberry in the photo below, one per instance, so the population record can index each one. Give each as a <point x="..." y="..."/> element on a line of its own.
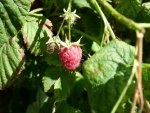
<point x="70" y="56"/>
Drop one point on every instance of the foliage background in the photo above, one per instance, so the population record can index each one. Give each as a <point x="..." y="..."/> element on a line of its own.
<point x="42" y="84"/>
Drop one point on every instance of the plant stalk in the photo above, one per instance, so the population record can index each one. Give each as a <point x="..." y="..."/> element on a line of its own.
<point x="60" y="28"/>
<point x="145" y="25"/>
<point x="128" y="22"/>
<point x="69" y="21"/>
<point x="126" y="87"/>
<point x="138" y="94"/>
<point x="100" y="12"/>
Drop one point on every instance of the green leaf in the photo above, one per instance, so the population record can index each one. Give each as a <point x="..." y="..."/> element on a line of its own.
<point x="52" y="59"/>
<point x="78" y="97"/>
<point x="11" y="62"/>
<point x="114" y="58"/>
<point x="35" y="107"/>
<point x="144" y="15"/>
<point x="81" y="3"/>
<point x="11" y="17"/>
<point x="24" y="6"/>
<point x="64" y="107"/>
<point x="95" y="47"/>
<point x="78" y="86"/>
<point x="129" y="8"/>
<point x="12" y="55"/>
<point x="146" y="78"/>
<point x="48" y="106"/>
<point x="103" y="98"/>
<point x="47" y="6"/>
<point x="146" y="7"/>
<point x="50" y="77"/>
<point x="93" y="25"/>
<point x="64" y="85"/>
<point x="36" y="32"/>
<point x="107" y="72"/>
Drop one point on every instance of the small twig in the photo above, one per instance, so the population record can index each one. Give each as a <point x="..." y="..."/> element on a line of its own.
<point x="134" y="100"/>
<point x="138" y="94"/>
<point x="140" y="36"/>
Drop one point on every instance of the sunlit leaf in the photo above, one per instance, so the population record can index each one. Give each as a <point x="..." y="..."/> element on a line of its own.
<point x="107" y="72"/>
<point x="36" y="32"/>
<point x="11" y="53"/>
<point x="114" y="58"/>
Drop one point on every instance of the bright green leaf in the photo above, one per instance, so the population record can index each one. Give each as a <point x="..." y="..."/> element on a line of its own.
<point x="107" y="72"/>
<point x="12" y="54"/>
<point x="24" y="5"/>
<point x="81" y="3"/>
<point x="95" y="47"/>
<point x="36" y="32"/>
<point x="115" y="57"/>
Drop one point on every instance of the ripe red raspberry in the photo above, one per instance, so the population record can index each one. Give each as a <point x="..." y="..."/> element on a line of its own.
<point x="70" y="56"/>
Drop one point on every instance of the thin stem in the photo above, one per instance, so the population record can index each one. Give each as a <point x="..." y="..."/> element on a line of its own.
<point x="126" y="87"/>
<point x="128" y="22"/>
<point x="134" y="100"/>
<point x="69" y="9"/>
<point x="144" y="25"/>
<point x="69" y="35"/>
<point x="69" y="21"/>
<point x="100" y="12"/>
<point x="60" y="27"/>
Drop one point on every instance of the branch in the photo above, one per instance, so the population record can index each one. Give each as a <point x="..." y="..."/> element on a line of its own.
<point x="100" y="12"/>
<point x="128" y="22"/>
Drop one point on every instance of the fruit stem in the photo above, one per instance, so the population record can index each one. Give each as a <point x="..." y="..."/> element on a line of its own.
<point x="128" y="22"/>
<point x="100" y="12"/>
<point x="60" y="28"/>
<point x="69" y="21"/>
<point x="68" y="10"/>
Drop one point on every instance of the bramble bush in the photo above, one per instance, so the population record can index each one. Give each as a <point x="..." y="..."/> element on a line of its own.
<point x="114" y="72"/>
